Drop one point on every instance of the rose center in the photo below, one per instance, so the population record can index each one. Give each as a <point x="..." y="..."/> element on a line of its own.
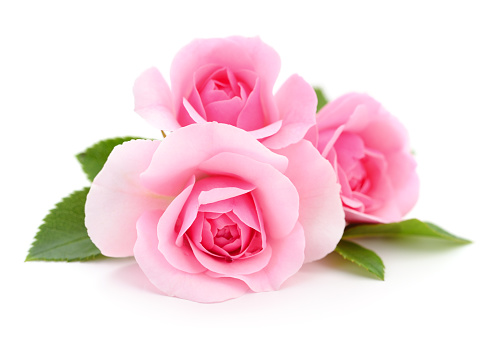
<point x="357" y="178"/>
<point x="226" y="88"/>
<point x="226" y="235"/>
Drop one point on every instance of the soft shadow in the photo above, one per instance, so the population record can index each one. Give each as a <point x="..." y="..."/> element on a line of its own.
<point x="334" y="263"/>
<point x="132" y="275"/>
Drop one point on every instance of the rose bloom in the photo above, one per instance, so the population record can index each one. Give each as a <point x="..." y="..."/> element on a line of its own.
<point x="229" y="81"/>
<point x="370" y="152"/>
<point x="210" y="213"/>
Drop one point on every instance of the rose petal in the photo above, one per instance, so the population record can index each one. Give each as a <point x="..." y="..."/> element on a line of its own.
<point x="195" y="287"/>
<point x="203" y="74"/>
<point x="182" y="151"/>
<point x="236" y="266"/>
<point x="404" y="180"/>
<point x="346" y="190"/>
<point x="207" y="239"/>
<point x="247" y="233"/>
<point x="216" y="188"/>
<point x="171" y="242"/>
<point x="117" y="187"/>
<point x="352" y="202"/>
<point x="251" y="116"/>
<point x="385" y="125"/>
<point x="286" y="259"/>
<point x="246" y="210"/>
<point x="222" y="77"/>
<point x="272" y="188"/>
<point x="353" y="216"/>
<point x="362" y="115"/>
<point x="218" y="194"/>
<point x="267" y="131"/>
<point x="320" y="208"/>
<point x="225" y="111"/>
<point x="235" y="53"/>
<point x="337" y="112"/>
<point x="183" y="116"/>
<point x="327" y="139"/>
<point x="375" y="166"/>
<point x="153" y="100"/>
<point x="222" y="206"/>
<point x="312" y="135"/>
<point x="297" y="105"/>
<point x="195" y="116"/>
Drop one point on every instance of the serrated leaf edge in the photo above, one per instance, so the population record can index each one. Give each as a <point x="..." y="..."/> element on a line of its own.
<point x="381" y="277"/>
<point x="32" y="257"/>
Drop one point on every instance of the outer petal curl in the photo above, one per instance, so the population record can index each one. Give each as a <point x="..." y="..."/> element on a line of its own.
<point x="195" y="287"/>
<point x="320" y="209"/>
<point x="116" y="199"/>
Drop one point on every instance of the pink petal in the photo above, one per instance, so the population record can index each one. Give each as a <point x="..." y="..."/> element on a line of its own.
<point x="153" y="100"/>
<point x="195" y="231"/>
<point x="251" y="116"/>
<point x="203" y="74"/>
<point x="346" y="190"/>
<point x="385" y="133"/>
<point x="286" y="259"/>
<point x="182" y="151"/>
<point x="272" y="188"/>
<point x="312" y="135"/>
<point x="207" y="241"/>
<point x="222" y="206"/>
<point x="246" y="210"/>
<point x="225" y="111"/>
<point x="267" y="66"/>
<point x="209" y="92"/>
<point x="297" y="105"/>
<point x="350" y="150"/>
<point x="247" y="79"/>
<point x="404" y="180"/>
<point x="218" y="194"/>
<point x="379" y="130"/>
<point x="195" y="287"/>
<point x="195" y="116"/>
<point x="267" y="131"/>
<point x="375" y="166"/>
<point x="320" y="209"/>
<point x="236" y="266"/>
<point x="352" y="203"/>
<point x="337" y="112"/>
<point x="247" y="232"/>
<point x="170" y="240"/>
<point x="388" y="213"/>
<point x="353" y="216"/>
<point x="183" y="116"/>
<point x="235" y="53"/>
<point x="117" y="199"/>
<point x="206" y="235"/>
<point x="327" y="139"/>
<point x="362" y="116"/>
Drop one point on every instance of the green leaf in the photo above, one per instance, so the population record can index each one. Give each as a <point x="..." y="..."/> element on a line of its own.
<point x="63" y="235"/>
<point x="93" y="158"/>
<point x="321" y="98"/>
<point x="362" y="257"/>
<point x="406" y="228"/>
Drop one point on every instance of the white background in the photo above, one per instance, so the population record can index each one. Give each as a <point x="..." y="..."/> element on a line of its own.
<point x="66" y="75"/>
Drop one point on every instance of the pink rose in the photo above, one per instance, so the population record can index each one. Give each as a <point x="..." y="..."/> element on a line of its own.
<point x="228" y="81"/>
<point x="369" y="149"/>
<point x="210" y="213"/>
